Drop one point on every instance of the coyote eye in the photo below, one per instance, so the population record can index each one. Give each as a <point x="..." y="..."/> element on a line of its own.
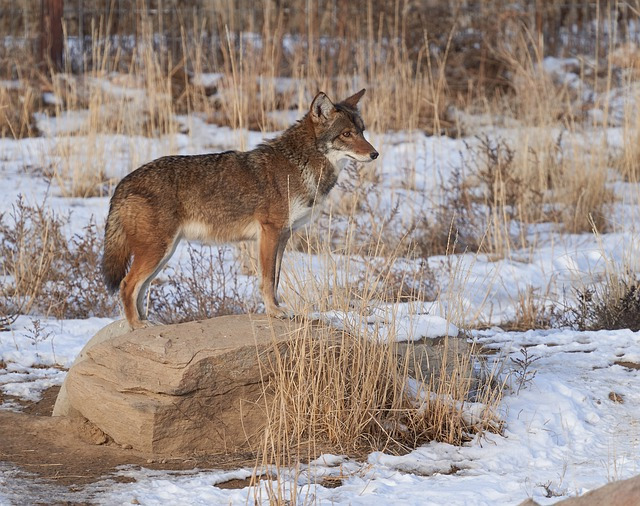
<point x="346" y="134"/>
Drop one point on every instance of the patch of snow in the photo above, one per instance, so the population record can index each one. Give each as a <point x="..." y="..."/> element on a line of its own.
<point x="207" y="80"/>
<point x="51" y="99"/>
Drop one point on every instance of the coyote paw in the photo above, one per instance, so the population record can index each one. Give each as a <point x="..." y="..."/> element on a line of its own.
<point x="281" y="312"/>
<point x="142" y="324"/>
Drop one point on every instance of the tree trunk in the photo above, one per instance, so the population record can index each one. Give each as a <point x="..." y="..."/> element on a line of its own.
<point x="51" y="33"/>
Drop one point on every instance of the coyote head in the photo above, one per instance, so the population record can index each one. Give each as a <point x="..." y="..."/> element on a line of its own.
<point x="339" y="129"/>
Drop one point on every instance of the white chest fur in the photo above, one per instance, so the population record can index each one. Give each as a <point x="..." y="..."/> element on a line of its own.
<point x="301" y="213"/>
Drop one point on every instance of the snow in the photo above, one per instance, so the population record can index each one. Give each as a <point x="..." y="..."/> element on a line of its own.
<point x="564" y="431"/>
<point x="50" y="345"/>
<point x="207" y="80"/>
<point x="58" y="342"/>
<point x="399" y="322"/>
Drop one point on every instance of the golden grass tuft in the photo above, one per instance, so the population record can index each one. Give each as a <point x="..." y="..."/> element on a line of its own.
<point x="338" y="393"/>
<point x="17" y="106"/>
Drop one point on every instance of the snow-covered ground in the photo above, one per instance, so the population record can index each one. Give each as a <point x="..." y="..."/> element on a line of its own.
<point x="571" y="427"/>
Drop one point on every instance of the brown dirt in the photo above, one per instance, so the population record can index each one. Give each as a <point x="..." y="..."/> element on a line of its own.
<point x="57" y="449"/>
<point x="627" y="364"/>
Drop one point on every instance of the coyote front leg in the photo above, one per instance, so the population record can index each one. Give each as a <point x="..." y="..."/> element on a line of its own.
<point x="270" y="238"/>
<point x="284" y="238"/>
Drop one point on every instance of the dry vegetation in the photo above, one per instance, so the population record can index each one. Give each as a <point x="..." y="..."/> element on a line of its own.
<point x="44" y="272"/>
<point x="426" y="66"/>
<point x="614" y="304"/>
<point x="338" y="393"/>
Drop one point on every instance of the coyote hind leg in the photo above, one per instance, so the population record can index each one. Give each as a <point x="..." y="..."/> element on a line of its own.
<point x="145" y="285"/>
<point x="147" y="262"/>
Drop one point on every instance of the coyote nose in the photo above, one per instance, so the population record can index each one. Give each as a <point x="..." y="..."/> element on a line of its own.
<point x="374" y="155"/>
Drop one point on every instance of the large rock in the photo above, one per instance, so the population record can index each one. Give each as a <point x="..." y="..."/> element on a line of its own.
<point x="200" y="386"/>
<point x="617" y="493"/>
<point x="62" y="406"/>
<point x="177" y="389"/>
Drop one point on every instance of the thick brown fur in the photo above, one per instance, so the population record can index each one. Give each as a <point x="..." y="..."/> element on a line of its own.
<point x="262" y="194"/>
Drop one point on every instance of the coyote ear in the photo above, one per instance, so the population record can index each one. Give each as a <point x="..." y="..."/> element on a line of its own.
<point x="321" y="107"/>
<point x="353" y="100"/>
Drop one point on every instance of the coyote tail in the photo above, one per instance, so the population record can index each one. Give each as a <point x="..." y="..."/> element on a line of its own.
<point x="117" y="253"/>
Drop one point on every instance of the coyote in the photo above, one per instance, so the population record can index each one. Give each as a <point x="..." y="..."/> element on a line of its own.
<point x="262" y="194"/>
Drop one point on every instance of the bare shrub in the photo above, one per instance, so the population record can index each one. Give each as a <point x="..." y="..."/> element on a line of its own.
<point x="44" y="273"/>
<point x="81" y="290"/>
<point x="458" y="226"/>
<point x="208" y="284"/>
<point x="37" y="333"/>
<point x="47" y="274"/>
<point x="513" y="190"/>
<point x="489" y="209"/>
<point x="31" y="243"/>
<point x="613" y="305"/>
<point x="523" y="371"/>
<point x="477" y="208"/>
<point x="517" y="191"/>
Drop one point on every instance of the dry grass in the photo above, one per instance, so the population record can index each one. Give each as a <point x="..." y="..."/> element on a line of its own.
<point x="77" y="169"/>
<point x="342" y="393"/>
<point x="16" y="111"/>
<point x="626" y="160"/>
<point x="546" y="174"/>
<point x="543" y="179"/>
<point x="539" y="177"/>
<point x="339" y="393"/>
<point x="31" y="237"/>
<point x="46" y="274"/>
<point x="206" y="285"/>
<point x="353" y="390"/>
<point x="612" y="304"/>
<point x="534" y="310"/>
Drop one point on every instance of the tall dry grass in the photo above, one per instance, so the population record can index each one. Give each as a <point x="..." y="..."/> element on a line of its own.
<point x="271" y="61"/>
<point x="340" y="392"/>
<point x="343" y="394"/>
